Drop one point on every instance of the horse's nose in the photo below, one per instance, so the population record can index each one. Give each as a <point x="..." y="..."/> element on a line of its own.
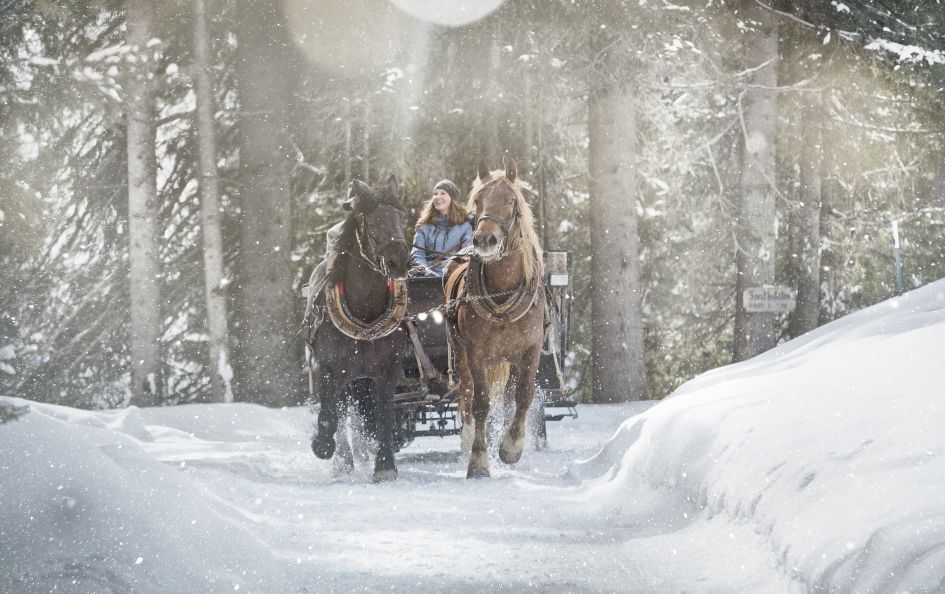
<point x="484" y="241"/>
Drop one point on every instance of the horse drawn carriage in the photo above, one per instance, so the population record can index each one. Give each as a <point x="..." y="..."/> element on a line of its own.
<point x="425" y="356"/>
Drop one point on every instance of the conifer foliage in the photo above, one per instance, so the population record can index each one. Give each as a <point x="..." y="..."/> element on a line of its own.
<point x="682" y="152"/>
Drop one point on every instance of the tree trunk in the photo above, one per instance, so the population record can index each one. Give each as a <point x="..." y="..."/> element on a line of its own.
<point x="937" y="190"/>
<point x="805" y="219"/>
<point x="264" y="297"/>
<point x="831" y="260"/>
<point x="145" y="325"/>
<point x="616" y="294"/>
<point x="491" y="150"/>
<point x="800" y="43"/>
<point x="755" y="227"/>
<point x="347" y="124"/>
<point x="366" y="142"/>
<point x="213" y="253"/>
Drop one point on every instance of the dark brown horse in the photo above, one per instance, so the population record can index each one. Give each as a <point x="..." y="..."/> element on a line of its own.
<point x="359" y="353"/>
<point x="498" y="323"/>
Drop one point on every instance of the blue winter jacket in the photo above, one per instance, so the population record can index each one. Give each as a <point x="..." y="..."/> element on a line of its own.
<point x="433" y="240"/>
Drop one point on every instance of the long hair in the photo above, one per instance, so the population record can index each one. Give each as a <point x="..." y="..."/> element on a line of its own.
<point x="523" y="236"/>
<point x="454" y="216"/>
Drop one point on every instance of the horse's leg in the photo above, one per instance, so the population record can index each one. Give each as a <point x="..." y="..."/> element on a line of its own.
<point x="535" y="423"/>
<point x="323" y="442"/>
<point x="514" y="442"/>
<point x="344" y="460"/>
<point x="360" y="440"/>
<point x="501" y="407"/>
<point x="384" y="467"/>
<point x="362" y="417"/>
<point x="479" y="456"/>
<point x="465" y="400"/>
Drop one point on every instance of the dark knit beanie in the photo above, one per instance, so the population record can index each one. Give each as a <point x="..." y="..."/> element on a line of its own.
<point x="448" y="187"/>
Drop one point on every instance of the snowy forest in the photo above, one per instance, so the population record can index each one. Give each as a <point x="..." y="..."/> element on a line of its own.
<point x="751" y="198"/>
<point x="169" y="170"/>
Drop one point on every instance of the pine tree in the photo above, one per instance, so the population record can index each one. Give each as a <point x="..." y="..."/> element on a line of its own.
<point x="264" y="299"/>
<point x="756" y="219"/>
<point x="147" y="373"/>
<point x="617" y="296"/>
<point x="213" y="254"/>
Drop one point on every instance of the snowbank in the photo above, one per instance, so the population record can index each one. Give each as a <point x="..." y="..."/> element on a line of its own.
<point x="85" y="509"/>
<point x="824" y="457"/>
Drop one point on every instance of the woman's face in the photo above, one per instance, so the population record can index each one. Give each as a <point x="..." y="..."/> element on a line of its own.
<point x="441" y="201"/>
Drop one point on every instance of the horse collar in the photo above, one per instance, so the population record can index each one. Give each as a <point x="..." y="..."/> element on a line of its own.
<point x="337" y="306"/>
<point x="512" y="309"/>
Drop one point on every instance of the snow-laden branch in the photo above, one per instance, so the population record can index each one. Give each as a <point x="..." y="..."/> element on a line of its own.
<point x="907" y="54"/>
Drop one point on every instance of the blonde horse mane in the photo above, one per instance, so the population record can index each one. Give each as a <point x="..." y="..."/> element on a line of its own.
<point x="523" y="237"/>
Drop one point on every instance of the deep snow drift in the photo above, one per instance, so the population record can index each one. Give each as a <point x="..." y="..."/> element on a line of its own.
<point x="829" y="452"/>
<point x="817" y="466"/>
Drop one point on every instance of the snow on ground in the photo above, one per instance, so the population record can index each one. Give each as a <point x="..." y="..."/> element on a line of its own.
<point x="815" y="467"/>
<point x="822" y="460"/>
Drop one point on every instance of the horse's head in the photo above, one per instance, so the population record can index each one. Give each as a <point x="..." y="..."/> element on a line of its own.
<point x="497" y="204"/>
<point x="380" y="217"/>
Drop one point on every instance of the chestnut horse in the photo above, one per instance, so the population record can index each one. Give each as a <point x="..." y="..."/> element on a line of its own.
<point x="497" y="321"/>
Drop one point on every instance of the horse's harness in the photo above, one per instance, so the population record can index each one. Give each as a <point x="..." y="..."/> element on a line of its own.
<point x="367" y="252"/>
<point x="465" y="285"/>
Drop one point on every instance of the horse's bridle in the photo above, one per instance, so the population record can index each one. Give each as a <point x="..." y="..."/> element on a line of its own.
<point x="370" y="256"/>
<point x="506" y="226"/>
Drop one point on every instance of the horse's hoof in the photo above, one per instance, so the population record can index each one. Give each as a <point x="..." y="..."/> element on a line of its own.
<point x="510" y="456"/>
<point x="477" y="473"/>
<point x="323" y="448"/>
<point x="386" y="475"/>
<point x="510" y="450"/>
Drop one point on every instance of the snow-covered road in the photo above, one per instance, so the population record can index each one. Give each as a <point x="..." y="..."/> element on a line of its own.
<point x="526" y="528"/>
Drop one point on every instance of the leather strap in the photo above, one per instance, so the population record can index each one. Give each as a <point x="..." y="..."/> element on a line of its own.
<point x="351" y="327"/>
<point x="514" y="308"/>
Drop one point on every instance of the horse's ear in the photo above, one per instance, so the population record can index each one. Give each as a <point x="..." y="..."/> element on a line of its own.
<point x="510" y="170"/>
<point x="483" y="171"/>
<point x="393" y="187"/>
<point x="356" y="189"/>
